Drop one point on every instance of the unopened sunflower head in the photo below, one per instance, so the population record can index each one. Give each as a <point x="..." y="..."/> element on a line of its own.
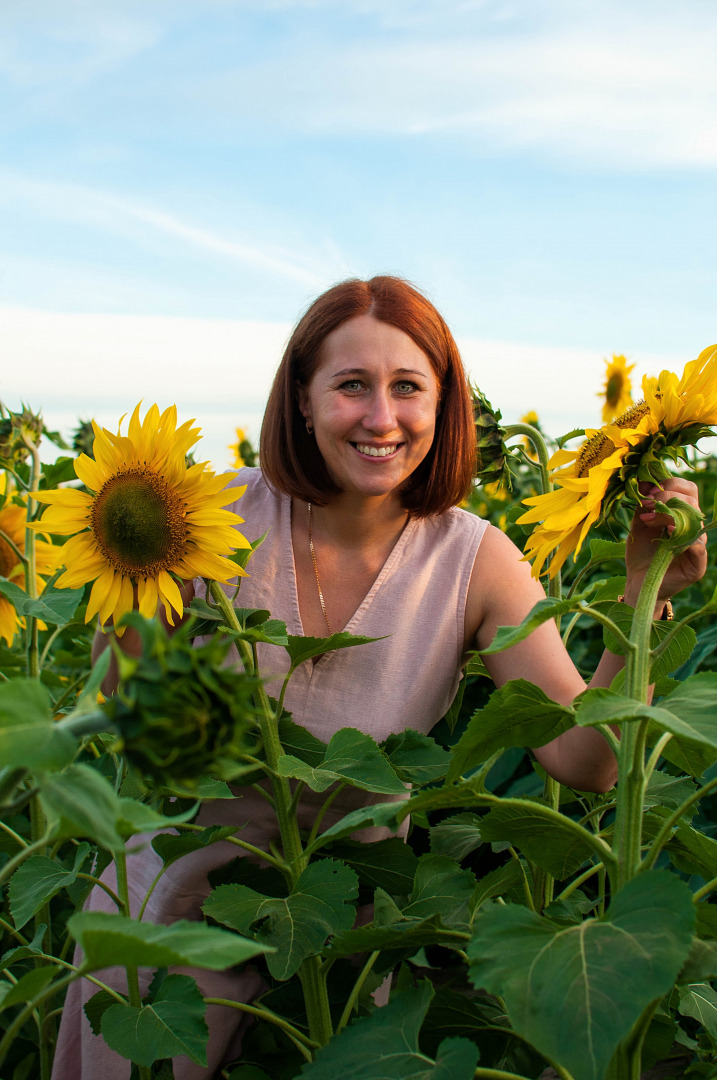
<point x="83" y="438"/>
<point x="17" y="430"/>
<point x="616" y="395"/>
<point x="610" y="464"/>
<point x="491" y="459"/>
<point x="146" y="519"/>
<point x="180" y="712"/>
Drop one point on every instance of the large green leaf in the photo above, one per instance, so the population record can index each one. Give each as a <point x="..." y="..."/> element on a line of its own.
<point x="29" y="738"/>
<point x="38" y="880"/>
<point x="441" y="888"/>
<point x="677" y="652"/>
<point x="699" y="1000"/>
<point x="351" y="757"/>
<point x="171" y="847"/>
<point x="384" y="1046"/>
<point x="304" y="648"/>
<point x="296" y="740"/>
<point x="560" y="847"/>
<point x="80" y="802"/>
<point x="692" y="851"/>
<point x="56" y="606"/>
<point x="519" y="714"/>
<point x="418" y="759"/>
<point x="575" y="992"/>
<point x="599" y="705"/>
<point x="386" y="864"/>
<point x="106" y="938"/>
<point x="297" y="926"/>
<point x="27" y="986"/>
<point x="171" y="1024"/>
<point x="456" y="836"/>
<point x="377" y="815"/>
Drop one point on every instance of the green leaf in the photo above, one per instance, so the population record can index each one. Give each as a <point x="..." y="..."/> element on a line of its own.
<point x="135" y="817"/>
<point x="599" y="705"/>
<point x="663" y="789"/>
<point x="351" y="757"/>
<point x="441" y="888"/>
<point x="385" y="864"/>
<point x="20" y="952"/>
<point x="677" y="652"/>
<point x="378" y="815"/>
<point x="601" y="550"/>
<point x="456" y="836"/>
<point x="689" y="712"/>
<point x="519" y="714"/>
<point x="81" y="802"/>
<point x="299" y="742"/>
<point x="28" y="986"/>
<point x="384" y="1046"/>
<point x="172" y="1024"/>
<point x="171" y="847"/>
<point x="559" y="848"/>
<point x="29" y="738"/>
<point x="699" y="1000"/>
<point x="96" y="1007"/>
<point x="544" y="611"/>
<point x="505" y="881"/>
<point x="418" y="759"/>
<point x="692" y="851"/>
<point x="104" y="937"/>
<point x="304" y="648"/>
<point x="37" y="881"/>
<point x="56" y="606"/>
<point x="404" y="935"/>
<point x="298" y="925"/>
<point x="575" y="992"/>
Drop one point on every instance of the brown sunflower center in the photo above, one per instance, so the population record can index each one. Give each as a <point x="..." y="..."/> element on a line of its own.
<point x="599" y="447"/>
<point x="138" y="521"/>
<point x="614" y="388"/>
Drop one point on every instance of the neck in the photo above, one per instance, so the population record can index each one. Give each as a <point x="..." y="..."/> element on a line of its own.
<point x="359" y="523"/>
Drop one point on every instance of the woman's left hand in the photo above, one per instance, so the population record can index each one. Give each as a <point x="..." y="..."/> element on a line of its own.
<point x="647" y="526"/>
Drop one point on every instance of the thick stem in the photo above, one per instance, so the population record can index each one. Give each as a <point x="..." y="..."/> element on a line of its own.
<point x="133" y="991"/>
<point x="31" y="634"/>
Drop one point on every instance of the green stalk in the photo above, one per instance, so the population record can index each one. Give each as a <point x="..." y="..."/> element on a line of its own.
<point x="31" y="634"/>
<point x="632" y="777"/>
<point x="133" y="992"/>
<point x="313" y="980"/>
<point x="298" y="1037"/>
<point x="356" y="990"/>
<point x="36" y="1003"/>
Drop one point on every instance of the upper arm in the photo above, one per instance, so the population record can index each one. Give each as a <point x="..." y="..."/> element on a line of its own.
<point x="502" y="591"/>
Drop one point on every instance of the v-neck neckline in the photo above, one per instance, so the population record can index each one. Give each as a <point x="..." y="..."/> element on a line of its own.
<point x="393" y="556"/>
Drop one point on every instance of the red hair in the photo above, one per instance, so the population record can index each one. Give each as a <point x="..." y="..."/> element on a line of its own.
<point x="290" y="458"/>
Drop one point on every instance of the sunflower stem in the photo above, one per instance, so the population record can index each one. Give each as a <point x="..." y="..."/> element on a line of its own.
<point x="632" y="775"/>
<point x="31" y="635"/>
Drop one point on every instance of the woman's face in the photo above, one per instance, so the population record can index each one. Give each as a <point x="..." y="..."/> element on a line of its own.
<point x="372" y="402"/>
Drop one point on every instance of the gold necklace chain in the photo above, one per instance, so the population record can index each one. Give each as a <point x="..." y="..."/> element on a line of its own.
<point x="316" y="572"/>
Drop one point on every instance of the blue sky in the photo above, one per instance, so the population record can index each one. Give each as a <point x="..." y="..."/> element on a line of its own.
<point x="178" y="178"/>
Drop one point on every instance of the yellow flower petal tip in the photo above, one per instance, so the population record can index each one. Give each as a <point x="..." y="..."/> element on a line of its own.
<point x="140" y="523"/>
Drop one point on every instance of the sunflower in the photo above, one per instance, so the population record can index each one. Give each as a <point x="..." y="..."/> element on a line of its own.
<point x="243" y="453"/>
<point x="616" y="395"/>
<point x="147" y="519"/>
<point x="13" y="518"/>
<point x="611" y="462"/>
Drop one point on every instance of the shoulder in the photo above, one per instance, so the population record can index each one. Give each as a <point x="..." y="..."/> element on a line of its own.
<point x="455" y="525"/>
<point x="502" y="589"/>
<point x="255" y="499"/>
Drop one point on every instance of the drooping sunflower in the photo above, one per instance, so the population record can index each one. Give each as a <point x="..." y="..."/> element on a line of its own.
<point x="147" y="519"/>
<point x="674" y="413"/>
<point x="12" y="539"/>
<point x="617" y="392"/>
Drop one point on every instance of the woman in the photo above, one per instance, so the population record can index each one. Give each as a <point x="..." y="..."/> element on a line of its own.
<point x="367" y="445"/>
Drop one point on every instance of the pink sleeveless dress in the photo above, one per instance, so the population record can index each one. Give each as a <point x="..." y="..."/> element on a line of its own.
<point x="406" y="680"/>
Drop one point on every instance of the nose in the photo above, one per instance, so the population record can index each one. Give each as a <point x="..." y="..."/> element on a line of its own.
<point x="380" y="415"/>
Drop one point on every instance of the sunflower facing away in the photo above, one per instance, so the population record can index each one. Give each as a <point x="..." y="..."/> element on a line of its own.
<point x="12" y="532"/>
<point x="616" y="395"/>
<point x="148" y="517"/>
<point x="675" y="413"/>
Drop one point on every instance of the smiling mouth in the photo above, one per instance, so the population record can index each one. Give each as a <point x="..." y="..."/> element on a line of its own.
<point x="377" y="451"/>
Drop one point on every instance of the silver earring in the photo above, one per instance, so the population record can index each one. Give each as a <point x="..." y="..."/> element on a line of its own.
<point x="309" y="428"/>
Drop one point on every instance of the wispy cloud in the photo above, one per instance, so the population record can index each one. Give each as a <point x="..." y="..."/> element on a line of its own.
<point x="115" y="214"/>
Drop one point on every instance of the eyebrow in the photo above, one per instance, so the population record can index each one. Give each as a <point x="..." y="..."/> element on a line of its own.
<point x="362" y="371"/>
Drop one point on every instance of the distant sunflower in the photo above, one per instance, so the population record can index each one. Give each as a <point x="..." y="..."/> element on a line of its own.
<point x="13" y="519"/>
<point x="610" y="463"/>
<point x="617" y="393"/>
<point x="235" y="447"/>
<point x="531" y="417"/>
<point x="147" y="519"/>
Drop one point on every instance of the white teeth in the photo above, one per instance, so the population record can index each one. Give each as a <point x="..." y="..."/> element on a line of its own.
<point x="376" y="451"/>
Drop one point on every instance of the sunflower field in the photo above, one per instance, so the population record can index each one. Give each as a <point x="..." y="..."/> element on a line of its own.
<point x="530" y="931"/>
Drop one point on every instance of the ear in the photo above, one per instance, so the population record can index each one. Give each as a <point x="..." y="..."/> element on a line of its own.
<point x="302" y="398"/>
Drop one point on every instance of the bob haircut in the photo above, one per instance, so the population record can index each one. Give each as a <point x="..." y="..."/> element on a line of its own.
<point x="290" y="458"/>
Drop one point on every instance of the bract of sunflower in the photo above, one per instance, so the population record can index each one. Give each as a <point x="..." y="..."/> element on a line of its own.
<point x="608" y="466"/>
<point x="147" y="519"/>
<point x="617" y="393"/>
<point x="13" y="518"/>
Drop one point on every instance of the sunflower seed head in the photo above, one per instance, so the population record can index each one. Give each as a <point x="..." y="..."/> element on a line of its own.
<point x="180" y="713"/>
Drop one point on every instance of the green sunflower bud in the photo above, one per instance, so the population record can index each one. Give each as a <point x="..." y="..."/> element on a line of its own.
<point x="16" y="430"/>
<point x="491" y="465"/>
<point x="180" y="712"/>
<point x="83" y="439"/>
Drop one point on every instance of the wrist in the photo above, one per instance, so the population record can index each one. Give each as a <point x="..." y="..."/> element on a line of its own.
<point x="663" y="608"/>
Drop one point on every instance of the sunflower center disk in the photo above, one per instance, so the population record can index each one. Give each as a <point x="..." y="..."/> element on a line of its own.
<point x="138" y="523"/>
<point x="599" y="447"/>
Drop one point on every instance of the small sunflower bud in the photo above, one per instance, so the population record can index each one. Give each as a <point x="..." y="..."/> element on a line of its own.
<point x="83" y="439"/>
<point x="180" y="712"/>
<point x="16" y="430"/>
<point x="491" y="456"/>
